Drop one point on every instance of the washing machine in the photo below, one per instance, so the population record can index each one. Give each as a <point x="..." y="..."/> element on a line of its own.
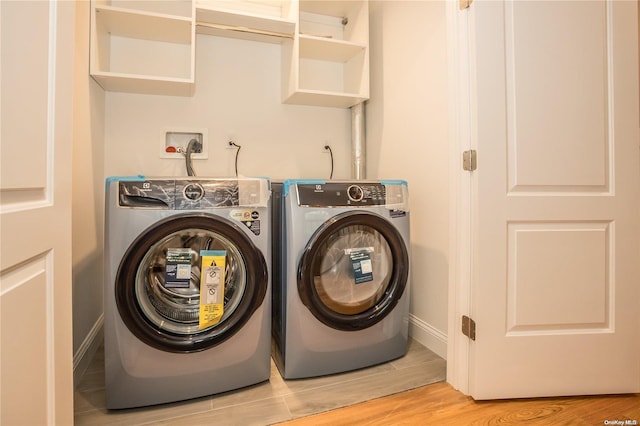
<point x="187" y="297"/>
<point x="340" y="275"/>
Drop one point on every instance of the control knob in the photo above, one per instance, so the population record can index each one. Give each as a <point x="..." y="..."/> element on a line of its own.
<point x="355" y="193"/>
<point x="193" y="192"/>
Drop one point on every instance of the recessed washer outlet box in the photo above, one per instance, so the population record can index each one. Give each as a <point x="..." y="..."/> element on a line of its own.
<point x="175" y="143"/>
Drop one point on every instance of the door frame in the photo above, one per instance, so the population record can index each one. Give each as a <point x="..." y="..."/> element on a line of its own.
<point x="461" y="134"/>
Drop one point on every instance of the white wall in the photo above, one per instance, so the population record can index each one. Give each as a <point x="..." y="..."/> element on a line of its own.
<point x="237" y="93"/>
<point x="87" y="199"/>
<point x="407" y="138"/>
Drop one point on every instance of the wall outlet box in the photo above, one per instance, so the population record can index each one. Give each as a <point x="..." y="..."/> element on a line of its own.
<point x="175" y="141"/>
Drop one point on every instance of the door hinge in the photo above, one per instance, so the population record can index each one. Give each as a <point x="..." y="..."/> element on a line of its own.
<point x="468" y="327"/>
<point x="470" y="160"/>
<point x="464" y="4"/>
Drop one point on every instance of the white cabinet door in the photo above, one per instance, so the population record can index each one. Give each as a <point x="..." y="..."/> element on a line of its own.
<point x="37" y="49"/>
<point x="555" y="201"/>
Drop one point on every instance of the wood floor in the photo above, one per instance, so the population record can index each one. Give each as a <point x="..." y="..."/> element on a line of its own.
<point x="440" y="404"/>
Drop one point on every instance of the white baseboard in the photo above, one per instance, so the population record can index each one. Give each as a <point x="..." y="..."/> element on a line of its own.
<point x="432" y="338"/>
<point x="87" y="349"/>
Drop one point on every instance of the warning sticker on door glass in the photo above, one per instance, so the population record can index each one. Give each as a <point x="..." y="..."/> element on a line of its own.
<point x="362" y="266"/>
<point x="212" y="287"/>
<point x="177" y="272"/>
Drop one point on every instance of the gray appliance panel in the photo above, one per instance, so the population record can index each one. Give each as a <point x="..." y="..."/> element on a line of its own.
<point x="178" y="194"/>
<point x="341" y="194"/>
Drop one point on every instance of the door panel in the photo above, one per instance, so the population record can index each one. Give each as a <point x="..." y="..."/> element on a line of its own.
<point x="35" y="212"/>
<point x="555" y="199"/>
<point x="24" y="50"/>
<point x="558" y="277"/>
<point x="26" y="293"/>
<point x="557" y="81"/>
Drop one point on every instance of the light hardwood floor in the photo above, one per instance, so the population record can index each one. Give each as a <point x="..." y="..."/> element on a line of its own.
<point x="440" y="404"/>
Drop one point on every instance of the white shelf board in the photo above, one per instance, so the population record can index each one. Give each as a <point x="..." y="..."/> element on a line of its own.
<point x="132" y="83"/>
<point x="245" y="21"/>
<point x="330" y="7"/>
<point x="239" y="34"/>
<point x="144" y="25"/>
<point x="328" y="49"/>
<point x="172" y="7"/>
<point x="322" y="98"/>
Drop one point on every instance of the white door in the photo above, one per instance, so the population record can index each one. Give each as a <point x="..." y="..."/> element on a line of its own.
<point x="555" y="199"/>
<point x="35" y="212"/>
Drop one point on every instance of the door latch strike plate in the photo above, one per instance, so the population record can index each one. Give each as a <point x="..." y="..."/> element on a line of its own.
<point x="468" y="327"/>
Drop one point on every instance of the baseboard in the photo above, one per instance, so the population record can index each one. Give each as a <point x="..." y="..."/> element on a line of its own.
<point x="87" y="349"/>
<point x="432" y="338"/>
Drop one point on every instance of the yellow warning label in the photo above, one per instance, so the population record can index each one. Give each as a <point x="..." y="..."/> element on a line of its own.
<point x="211" y="287"/>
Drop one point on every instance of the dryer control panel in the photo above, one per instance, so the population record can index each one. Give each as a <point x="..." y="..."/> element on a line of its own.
<point x="341" y="194"/>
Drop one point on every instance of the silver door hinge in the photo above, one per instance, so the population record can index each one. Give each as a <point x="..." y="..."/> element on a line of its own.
<point x="468" y="327"/>
<point x="470" y="160"/>
<point x="465" y="4"/>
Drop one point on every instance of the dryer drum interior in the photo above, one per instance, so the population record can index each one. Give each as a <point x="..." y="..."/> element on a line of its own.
<point x="166" y="317"/>
<point x="341" y="294"/>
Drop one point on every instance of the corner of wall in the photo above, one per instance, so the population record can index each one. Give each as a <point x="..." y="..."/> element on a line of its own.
<point x="427" y="335"/>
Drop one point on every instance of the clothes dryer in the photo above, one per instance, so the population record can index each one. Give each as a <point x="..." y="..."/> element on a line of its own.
<point x="187" y="296"/>
<point x="340" y="274"/>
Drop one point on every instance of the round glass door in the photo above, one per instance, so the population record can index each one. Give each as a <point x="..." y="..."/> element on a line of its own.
<point x="353" y="271"/>
<point x="158" y="284"/>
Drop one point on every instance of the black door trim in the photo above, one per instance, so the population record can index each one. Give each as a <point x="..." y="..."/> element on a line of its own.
<point x="398" y="282"/>
<point x="125" y="285"/>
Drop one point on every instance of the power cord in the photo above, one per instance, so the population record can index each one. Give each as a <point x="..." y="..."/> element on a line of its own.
<point x="232" y="143"/>
<point x="328" y="148"/>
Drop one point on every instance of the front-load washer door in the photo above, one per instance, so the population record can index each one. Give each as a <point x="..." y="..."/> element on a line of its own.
<point x="353" y="271"/>
<point x="158" y="287"/>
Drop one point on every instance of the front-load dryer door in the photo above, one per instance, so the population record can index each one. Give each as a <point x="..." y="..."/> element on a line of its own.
<point x="353" y="271"/>
<point x="158" y="289"/>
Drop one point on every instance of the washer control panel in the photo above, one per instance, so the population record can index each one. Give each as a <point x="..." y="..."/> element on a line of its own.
<point x="178" y="194"/>
<point x="339" y="194"/>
